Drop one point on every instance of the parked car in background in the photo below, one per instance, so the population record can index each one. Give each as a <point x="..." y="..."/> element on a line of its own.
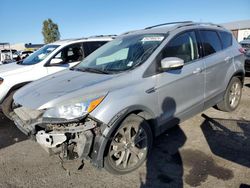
<point x="47" y="60"/>
<point x="109" y="107"/>
<point x="6" y="56"/>
<point x="246" y="45"/>
<point x="246" y="42"/>
<point x="19" y="55"/>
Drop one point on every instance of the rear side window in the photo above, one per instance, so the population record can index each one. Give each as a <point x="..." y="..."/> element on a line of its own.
<point x="184" y="46"/>
<point x="226" y="39"/>
<point x="211" y="42"/>
<point x="90" y="47"/>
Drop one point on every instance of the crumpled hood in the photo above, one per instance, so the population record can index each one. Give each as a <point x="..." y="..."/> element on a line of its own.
<point x="61" y="86"/>
<point x="13" y="68"/>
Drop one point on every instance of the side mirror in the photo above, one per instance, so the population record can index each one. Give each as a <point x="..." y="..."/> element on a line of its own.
<point x="244" y="38"/>
<point x="56" y="61"/>
<point x="172" y="63"/>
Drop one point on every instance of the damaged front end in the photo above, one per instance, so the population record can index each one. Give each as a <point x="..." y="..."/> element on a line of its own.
<point x="70" y="139"/>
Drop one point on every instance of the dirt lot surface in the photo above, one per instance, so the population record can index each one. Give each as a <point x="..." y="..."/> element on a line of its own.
<point x="212" y="151"/>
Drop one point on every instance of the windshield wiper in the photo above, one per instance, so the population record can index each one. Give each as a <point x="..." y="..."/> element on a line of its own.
<point x="87" y="69"/>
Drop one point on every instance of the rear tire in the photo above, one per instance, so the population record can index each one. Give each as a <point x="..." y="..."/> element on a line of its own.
<point x="129" y="146"/>
<point x="232" y="96"/>
<point x="7" y="105"/>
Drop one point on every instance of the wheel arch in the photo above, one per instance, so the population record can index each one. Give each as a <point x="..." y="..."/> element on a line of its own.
<point x="139" y="110"/>
<point x="240" y="75"/>
<point x="100" y="144"/>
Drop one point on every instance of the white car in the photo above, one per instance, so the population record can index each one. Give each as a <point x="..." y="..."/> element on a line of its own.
<point x="49" y="59"/>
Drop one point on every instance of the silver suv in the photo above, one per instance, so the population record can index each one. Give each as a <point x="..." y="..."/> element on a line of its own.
<point x="109" y="107"/>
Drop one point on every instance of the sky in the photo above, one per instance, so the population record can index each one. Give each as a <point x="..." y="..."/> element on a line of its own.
<point x="21" y="20"/>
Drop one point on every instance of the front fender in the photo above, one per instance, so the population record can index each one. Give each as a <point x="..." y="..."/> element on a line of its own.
<point x="107" y="130"/>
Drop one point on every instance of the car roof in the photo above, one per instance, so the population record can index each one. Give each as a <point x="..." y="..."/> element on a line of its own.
<point x="172" y="26"/>
<point x="87" y="39"/>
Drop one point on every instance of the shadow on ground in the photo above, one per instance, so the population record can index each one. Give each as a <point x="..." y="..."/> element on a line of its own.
<point x="164" y="164"/>
<point x="244" y="186"/>
<point x="247" y="85"/>
<point x="9" y="133"/>
<point x="228" y="138"/>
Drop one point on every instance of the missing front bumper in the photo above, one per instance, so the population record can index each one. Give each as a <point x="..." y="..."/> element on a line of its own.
<point x="67" y="138"/>
<point x="50" y="140"/>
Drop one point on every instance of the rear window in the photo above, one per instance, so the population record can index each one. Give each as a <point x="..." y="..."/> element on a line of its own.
<point x="211" y="42"/>
<point x="226" y="39"/>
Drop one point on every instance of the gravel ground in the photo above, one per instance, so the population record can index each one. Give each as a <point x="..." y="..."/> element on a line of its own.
<point x="210" y="150"/>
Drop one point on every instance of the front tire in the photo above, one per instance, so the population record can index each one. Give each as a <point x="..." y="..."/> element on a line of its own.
<point x="129" y="146"/>
<point x="7" y="105"/>
<point x="232" y="96"/>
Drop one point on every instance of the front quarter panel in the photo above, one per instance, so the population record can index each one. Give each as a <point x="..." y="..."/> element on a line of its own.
<point x="116" y="106"/>
<point x="132" y="95"/>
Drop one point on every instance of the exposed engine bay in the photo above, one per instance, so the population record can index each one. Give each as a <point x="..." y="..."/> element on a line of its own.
<point x="70" y="140"/>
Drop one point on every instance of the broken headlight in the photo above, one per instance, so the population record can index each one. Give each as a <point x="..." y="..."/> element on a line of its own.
<point x="73" y="110"/>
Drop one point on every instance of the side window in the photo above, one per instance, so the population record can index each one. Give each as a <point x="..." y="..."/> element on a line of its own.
<point x="184" y="46"/>
<point x="226" y="39"/>
<point x="90" y="47"/>
<point x="70" y="54"/>
<point x="211" y="42"/>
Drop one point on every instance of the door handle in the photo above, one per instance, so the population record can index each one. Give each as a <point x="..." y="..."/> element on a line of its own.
<point x="197" y="70"/>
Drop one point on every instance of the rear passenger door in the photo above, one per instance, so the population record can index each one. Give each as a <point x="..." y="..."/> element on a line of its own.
<point x="217" y="62"/>
<point x="181" y="92"/>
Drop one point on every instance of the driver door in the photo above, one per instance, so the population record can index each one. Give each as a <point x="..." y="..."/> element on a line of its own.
<point x="181" y="92"/>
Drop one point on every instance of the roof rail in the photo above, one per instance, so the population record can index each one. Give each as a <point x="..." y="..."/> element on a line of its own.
<point x="150" y="27"/>
<point x="185" y="23"/>
<point x="169" y="23"/>
<point x="179" y="25"/>
<point x="199" y="23"/>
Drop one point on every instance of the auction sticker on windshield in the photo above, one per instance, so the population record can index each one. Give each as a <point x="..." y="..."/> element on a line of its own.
<point x="152" y="38"/>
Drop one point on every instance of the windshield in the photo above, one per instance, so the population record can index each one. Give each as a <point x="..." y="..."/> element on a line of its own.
<point x="248" y="37"/>
<point x="121" y="54"/>
<point x="39" y="55"/>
